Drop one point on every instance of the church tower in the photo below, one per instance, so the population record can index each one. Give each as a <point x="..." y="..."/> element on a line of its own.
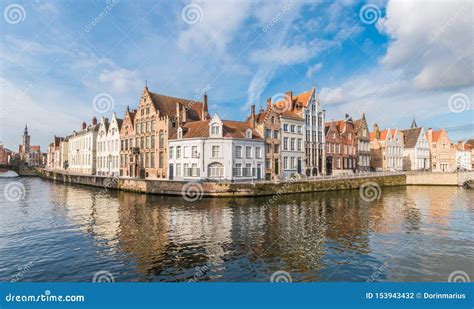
<point x="26" y="140"/>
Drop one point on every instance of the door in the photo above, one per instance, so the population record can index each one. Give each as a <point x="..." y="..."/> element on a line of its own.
<point x="277" y="167"/>
<point x="259" y="171"/>
<point x="329" y="166"/>
<point x="171" y="172"/>
<point x="298" y="168"/>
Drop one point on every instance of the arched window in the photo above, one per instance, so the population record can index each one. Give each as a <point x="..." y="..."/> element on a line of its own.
<point x="215" y="170"/>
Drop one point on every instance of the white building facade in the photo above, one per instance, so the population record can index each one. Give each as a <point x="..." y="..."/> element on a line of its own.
<point x="292" y="145"/>
<point x="108" y="146"/>
<point x="82" y="149"/>
<point x="216" y="150"/>
<point x="416" y="152"/>
<point x="314" y="137"/>
<point x="463" y="159"/>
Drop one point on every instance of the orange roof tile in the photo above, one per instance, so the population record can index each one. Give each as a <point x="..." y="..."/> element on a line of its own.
<point x="231" y="129"/>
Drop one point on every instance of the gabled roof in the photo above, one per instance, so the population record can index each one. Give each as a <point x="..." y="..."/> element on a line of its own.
<point x="303" y="98"/>
<point x="435" y="135"/>
<point x="410" y="137"/>
<point x="166" y="105"/>
<point x="230" y="129"/>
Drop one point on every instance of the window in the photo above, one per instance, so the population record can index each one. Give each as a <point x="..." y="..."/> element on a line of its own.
<point x="248" y="170"/>
<point x="276" y="148"/>
<point x="178" y="169"/>
<point x="292" y="144"/>
<point x="147" y="142"/>
<point x="153" y="125"/>
<point x="238" y="170"/>
<point x="180" y="133"/>
<point x="299" y="144"/>
<point x="186" y="170"/>
<point x="160" y="160"/>
<point x="258" y="152"/>
<point x="152" y="160"/>
<point x="275" y="133"/>
<point x="178" y="152"/>
<point x="161" y="139"/>
<point x="248" y="152"/>
<point x="292" y="128"/>
<point x="268" y="133"/>
<point x="285" y="127"/>
<point x="215" y="169"/>
<point x="268" y="164"/>
<point x="238" y="151"/>
<point x="292" y="162"/>
<point x="273" y="119"/>
<point x="285" y="162"/>
<point x="153" y="141"/>
<point x="171" y="152"/>
<point x="194" y="152"/>
<point x="285" y="143"/>
<point x="147" y="159"/>
<point x="248" y="133"/>
<point x="215" y="129"/>
<point x="142" y="142"/>
<point x="185" y="152"/>
<point x="215" y="151"/>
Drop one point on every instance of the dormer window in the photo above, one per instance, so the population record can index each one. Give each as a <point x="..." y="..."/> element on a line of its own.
<point x="180" y="133"/>
<point x="215" y="129"/>
<point x="248" y="133"/>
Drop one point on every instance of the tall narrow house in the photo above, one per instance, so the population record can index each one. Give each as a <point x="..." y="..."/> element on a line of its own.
<point x="157" y="118"/>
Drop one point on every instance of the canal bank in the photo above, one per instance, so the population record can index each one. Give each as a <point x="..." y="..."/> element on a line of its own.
<point x="226" y="189"/>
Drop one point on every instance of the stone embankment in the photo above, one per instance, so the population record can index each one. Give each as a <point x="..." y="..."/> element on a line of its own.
<point x="227" y="189"/>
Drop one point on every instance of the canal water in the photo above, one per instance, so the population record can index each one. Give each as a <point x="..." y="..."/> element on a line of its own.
<point x="55" y="232"/>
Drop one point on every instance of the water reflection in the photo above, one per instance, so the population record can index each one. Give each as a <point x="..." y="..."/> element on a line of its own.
<point x="408" y="234"/>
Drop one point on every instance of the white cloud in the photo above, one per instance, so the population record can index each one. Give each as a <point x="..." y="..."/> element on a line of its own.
<point x="284" y="55"/>
<point x="313" y="69"/>
<point x="432" y="41"/>
<point x="219" y="21"/>
<point x="121" y="80"/>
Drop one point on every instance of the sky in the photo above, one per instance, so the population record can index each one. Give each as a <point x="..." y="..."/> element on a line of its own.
<point x="64" y="62"/>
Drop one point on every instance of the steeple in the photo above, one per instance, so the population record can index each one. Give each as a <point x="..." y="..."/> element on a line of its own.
<point x="413" y="123"/>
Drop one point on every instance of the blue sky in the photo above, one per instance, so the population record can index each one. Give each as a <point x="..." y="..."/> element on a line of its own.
<point x="383" y="58"/>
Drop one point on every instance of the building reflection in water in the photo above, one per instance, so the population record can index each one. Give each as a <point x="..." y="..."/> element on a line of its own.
<point x="317" y="237"/>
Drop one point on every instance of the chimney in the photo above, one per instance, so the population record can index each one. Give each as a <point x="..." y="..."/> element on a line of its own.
<point x="269" y="103"/>
<point x="94" y="121"/>
<point x="177" y="115"/>
<point x="252" y="116"/>
<point x="429" y="134"/>
<point x="184" y="111"/>
<point x="289" y="96"/>
<point x="84" y="125"/>
<point x="128" y="108"/>
<point x="205" y="112"/>
<point x="376" y="131"/>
